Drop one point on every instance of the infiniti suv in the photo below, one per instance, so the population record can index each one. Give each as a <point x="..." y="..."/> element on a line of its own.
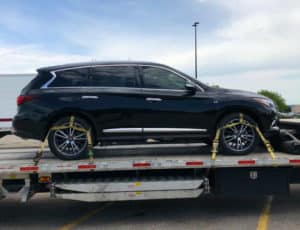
<point x="135" y="102"/>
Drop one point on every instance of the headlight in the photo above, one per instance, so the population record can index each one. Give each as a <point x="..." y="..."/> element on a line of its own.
<point x="265" y="102"/>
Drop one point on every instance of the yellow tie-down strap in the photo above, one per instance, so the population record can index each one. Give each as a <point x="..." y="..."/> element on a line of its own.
<point x="72" y="126"/>
<point x="216" y="140"/>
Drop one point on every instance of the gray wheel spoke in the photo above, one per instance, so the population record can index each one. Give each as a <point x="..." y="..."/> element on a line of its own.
<point x="63" y="134"/>
<point x="79" y="136"/>
<point x="74" y="146"/>
<point x="243" y="129"/>
<point x="234" y="129"/>
<point x="229" y="139"/>
<point x="71" y="131"/>
<point x="247" y="138"/>
<point x="63" y="145"/>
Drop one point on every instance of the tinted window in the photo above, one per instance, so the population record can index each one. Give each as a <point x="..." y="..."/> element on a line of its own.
<point x="69" y="78"/>
<point x="114" y="76"/>
<point x="162" y="79"/>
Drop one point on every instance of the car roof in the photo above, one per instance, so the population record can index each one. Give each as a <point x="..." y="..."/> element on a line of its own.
<point x="90" y="64"/>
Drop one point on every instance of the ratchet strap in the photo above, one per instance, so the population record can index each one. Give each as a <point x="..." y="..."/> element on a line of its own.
<point x="241" y="121"/>
<point x="71" y="125"/>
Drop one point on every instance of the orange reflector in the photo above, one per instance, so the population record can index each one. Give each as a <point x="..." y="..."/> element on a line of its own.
<point x="29" y="168"/>
<point x="142" y="164"/>
<point x="295" y="161"/>
<point x="89" y="166"/>
<point x="246" y="162"/>
<point x="44" y="179"/>
<point x="194" y="163"/>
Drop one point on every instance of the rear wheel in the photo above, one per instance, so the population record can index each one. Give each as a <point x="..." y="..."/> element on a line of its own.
<point x="240" y="139"/>
<point x="69" y="143"/>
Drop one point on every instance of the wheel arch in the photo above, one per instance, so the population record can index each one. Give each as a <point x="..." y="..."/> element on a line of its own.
<point x="245" y="110"/>
<point x="78" y="114"/>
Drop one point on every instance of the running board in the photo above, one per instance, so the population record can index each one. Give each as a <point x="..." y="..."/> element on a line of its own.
<point x="123" y="196"/>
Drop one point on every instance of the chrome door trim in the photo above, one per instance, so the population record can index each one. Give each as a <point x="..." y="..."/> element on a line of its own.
<point x="153" y="130"/>
<point x="172" y="130"/>
<point x="123" y="130"/>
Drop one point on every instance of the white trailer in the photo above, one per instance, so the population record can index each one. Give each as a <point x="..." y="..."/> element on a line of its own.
<point x="125" y="173"/>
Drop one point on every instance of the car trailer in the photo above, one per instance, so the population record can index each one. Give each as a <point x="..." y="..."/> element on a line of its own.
<point x="145" y="172"/>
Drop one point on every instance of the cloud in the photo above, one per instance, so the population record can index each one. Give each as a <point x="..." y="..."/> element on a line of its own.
<point x="26" y="59"/>
<point x="284" y="81"/>
<point x="256" y="45"/>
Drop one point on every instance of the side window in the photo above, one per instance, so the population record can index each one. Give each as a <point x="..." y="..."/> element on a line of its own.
<point x="162" y="79"/>
<point x="114" y="76"/>
<point x="70" y="78"/>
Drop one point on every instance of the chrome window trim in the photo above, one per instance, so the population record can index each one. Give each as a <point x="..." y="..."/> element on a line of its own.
<point x="46" y="85"/>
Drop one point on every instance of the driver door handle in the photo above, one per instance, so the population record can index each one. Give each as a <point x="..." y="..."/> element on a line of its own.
<point x="153" y="99"/>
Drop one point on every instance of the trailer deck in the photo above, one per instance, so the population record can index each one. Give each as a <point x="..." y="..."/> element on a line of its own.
<point x="20" y="162"/>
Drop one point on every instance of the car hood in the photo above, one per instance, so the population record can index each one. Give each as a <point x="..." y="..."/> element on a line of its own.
<point x="235" y="92"/>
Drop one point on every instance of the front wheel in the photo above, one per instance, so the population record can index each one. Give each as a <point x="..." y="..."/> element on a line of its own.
<point x="240" y="139"/>
<point x="69" y="143"/>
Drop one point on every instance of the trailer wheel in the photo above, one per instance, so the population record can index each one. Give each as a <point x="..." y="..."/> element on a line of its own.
<point x="68" y="143"/>
<point x="240" y="139"/>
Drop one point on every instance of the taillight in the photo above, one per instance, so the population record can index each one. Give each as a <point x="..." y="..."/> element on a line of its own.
<point x="23" y="99"/>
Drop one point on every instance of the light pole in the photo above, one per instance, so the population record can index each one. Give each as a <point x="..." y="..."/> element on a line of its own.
<point x="196" y="67"/>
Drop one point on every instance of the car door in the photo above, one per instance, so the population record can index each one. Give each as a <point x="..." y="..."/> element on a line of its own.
<point x="171" y="108"/>
<point x="117" y="100"/>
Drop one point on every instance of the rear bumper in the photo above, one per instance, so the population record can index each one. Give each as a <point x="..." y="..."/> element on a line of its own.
<point x="29" y="127"/>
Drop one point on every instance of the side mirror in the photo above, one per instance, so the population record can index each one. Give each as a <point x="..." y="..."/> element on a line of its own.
<point x="190" y="88"/>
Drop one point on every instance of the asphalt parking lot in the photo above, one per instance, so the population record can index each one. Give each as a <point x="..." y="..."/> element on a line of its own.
<point x="203" y="213"/>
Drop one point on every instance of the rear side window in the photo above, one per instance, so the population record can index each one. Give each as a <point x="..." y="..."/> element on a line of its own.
<point x="114" y="76"/>
<point x="71" y="78"/>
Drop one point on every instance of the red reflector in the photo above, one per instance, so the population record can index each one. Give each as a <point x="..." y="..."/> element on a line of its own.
<point x="145" y="164"/>
<point x="193" y="163"/>
<point x="5" y="119"/>
<point x="86" y="166"/>
<point x="295" y="161"/>
<point x="246" y="162"/>
<point x="23" y="99"/>
<point x="29" y="168"/>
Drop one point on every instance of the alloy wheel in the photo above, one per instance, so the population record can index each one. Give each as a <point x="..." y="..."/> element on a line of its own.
<point x="68" y="141"/>
<point x="239" y="138"/>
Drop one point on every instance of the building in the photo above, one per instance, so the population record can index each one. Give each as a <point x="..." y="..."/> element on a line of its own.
<point x="295" y="108"/>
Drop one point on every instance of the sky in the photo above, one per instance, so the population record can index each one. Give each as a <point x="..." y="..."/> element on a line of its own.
<point x="242" y="44"/>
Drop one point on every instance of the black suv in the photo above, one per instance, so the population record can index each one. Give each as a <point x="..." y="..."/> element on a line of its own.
<point x="135" y="102"/>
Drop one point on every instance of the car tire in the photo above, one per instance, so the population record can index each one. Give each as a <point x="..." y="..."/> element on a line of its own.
<point x="69" y="144"/>
<point x="238" y="140"/>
